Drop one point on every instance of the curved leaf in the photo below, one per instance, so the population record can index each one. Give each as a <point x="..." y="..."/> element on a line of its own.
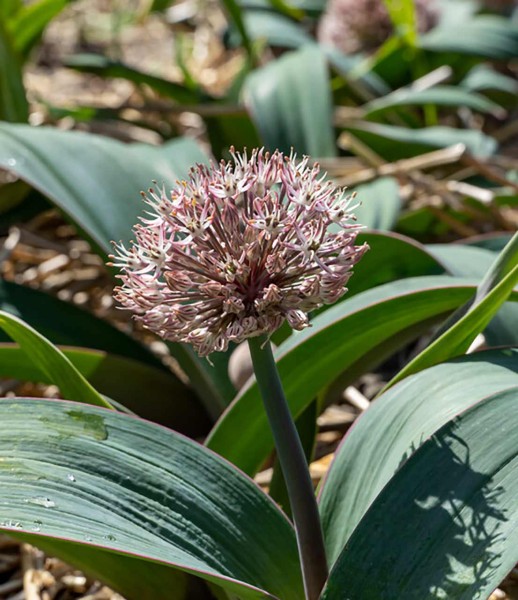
<point x="482" y="78"/>
<point x="439" y="95"/>
<point x="395" y="426"/>
<point x="453" y="525"/>
<point x="492" y="292"/>
<point x="393" y="142"/>
<point x="64" y="323"/>
<point x="94" y="179"/>
<point x="484" y="35"/>
<point x="290" y="102"/>
<point x="149" y="392"/>
<point x="391" y="257"/>
<point x="81" y="478"/>
<point x="104" y="67"/>
<point x="339" y="338"/>
<point x="51" y="361"/>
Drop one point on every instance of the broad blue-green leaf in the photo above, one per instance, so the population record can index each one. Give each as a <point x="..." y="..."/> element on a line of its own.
<point x="446" y="523"/>
<point x="274" y="28"/>
<point x="136" y="504"/>
<point x="290" y="102"/>
<point x="51" y="361"/>
<point x="394" y="427"/>
<point x="482" y="78"/>
<point x="94" y="179"/>
<point x="356" y="334"/>
<point x="485" y="36"/>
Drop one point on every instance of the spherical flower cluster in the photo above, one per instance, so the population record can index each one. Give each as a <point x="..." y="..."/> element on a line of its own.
<point x="363" y="25"/>
<point x="237" y="250"/>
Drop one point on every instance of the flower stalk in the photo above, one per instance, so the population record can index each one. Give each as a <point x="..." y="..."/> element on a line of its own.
<point x="294" y="467"/>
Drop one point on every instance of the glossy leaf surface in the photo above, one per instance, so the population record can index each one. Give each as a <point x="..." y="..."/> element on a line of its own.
<point x="83" y="478"/>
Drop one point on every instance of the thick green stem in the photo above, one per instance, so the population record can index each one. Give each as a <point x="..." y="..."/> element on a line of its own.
<point x="294" y="467"/>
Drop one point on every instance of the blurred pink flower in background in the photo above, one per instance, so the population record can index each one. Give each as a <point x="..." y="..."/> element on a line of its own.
<point x="363" y="25"/>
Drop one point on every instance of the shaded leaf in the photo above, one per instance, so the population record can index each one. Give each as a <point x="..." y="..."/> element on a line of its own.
<point x="13" y="103"/>
<point x="452" y="508"/>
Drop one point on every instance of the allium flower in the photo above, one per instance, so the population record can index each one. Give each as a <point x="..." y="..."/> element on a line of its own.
<point x="237" y="250"/>
<point x="363" y="25"/>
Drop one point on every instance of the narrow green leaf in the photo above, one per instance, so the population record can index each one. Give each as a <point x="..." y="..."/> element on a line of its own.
<point x="290" y="102"/>
<point x="51" y="361"/>
<point x="104" y="67"/>
<point x="395" y="426"/>
<point x="354" y="329"/>
<point x="402" y="15"/>
<point x="132" y="503"/>
<point x="446" y="524"/>
<point x="439" y="95"/>
<point x="28" y="24"/>
<point x="13" y="103"/>
<point x="493" y="291"/>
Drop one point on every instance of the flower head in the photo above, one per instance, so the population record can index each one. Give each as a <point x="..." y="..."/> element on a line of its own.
<point x="238" y="249"/>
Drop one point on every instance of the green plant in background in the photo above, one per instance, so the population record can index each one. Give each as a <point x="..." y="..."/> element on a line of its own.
<point x="155" y="514"/>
